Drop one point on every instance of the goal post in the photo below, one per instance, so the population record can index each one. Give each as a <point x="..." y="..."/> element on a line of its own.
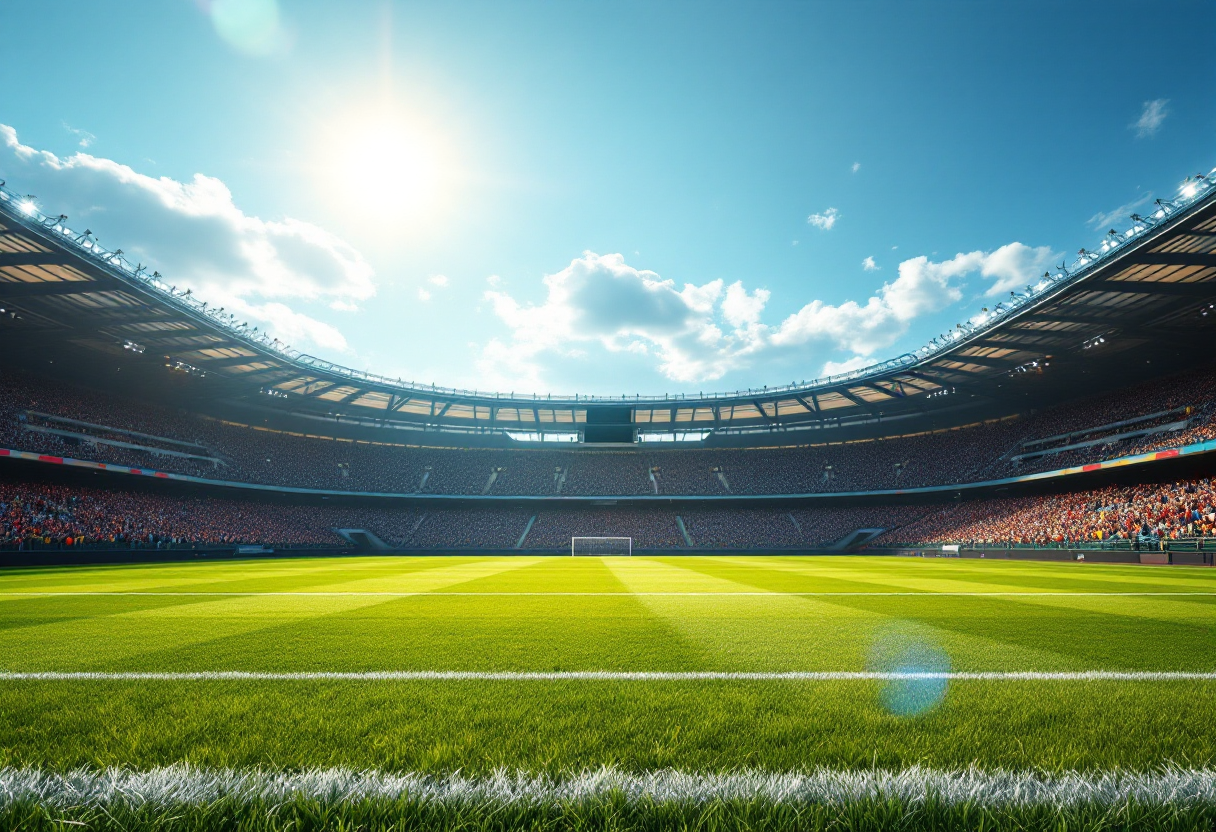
<point x="601" y="546"/>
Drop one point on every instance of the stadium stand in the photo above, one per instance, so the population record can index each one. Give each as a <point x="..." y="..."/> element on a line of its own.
<point x="1170" y="511"/>
<point x="49" y="417"/>
<point x="1101" y="359"/>
<point x="32" y="514"/>
<point x="42" y="515"/>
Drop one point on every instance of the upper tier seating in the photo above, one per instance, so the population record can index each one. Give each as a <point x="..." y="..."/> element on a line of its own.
<point x="111" y="429"/>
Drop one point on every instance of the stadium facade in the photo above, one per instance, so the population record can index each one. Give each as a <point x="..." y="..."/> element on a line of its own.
<point x="1142" y="291"/>
<point x="1072" y="383"/>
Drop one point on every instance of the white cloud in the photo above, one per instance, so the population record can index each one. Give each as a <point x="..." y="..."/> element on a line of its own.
<point x="701" y="332"/>
<point x="194" y="234"/>
<point x="741" y="309"/>
<point x="834" y="368"/>
<point x="290" y="326"/>
<point x="923" y="286"/>
<point x="343" y="306"/>
<point x="83" y="137"/>
<point x="824" y="221"/>
<point x="1151" y="116"/>
<point x="440" y="280"/>
<point x="856" y="167"/>
<point x="695" y="332"/>
<point x="1015" y="266"/>
<point x="1103" y="220"/>
<point x="494" y="280"/>
<point x="869" y="265"/>
<point x="423" y="294"/>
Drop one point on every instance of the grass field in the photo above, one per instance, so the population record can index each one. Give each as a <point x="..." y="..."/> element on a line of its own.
<point x="553" y="666"/>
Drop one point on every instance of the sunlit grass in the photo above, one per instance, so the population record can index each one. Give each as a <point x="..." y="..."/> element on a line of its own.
<point x="565" y="614"/>
<point x="535" y="614"/>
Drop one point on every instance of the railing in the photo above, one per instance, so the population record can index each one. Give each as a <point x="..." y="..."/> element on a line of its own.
<point x="1193" y="192"/>
<point x="38" y="544"/>
<point x="1145" y="543"/>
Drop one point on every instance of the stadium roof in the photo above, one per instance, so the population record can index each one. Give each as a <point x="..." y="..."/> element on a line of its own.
<point x="1144" y="291"/>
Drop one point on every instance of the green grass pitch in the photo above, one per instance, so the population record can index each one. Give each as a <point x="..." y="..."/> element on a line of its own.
<point x="623" y="615"/>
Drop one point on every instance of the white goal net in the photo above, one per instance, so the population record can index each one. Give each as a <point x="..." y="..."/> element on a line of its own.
<point x="600" y="546"/>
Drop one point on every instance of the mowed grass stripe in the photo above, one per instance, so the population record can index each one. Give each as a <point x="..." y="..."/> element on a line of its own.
<point x="289" y="573"/>
<point x="117" y="639"/>
<point x="837" y="632"/>
<point x="437" y="632"/>
<point x="367" y="632"/>
<point x="911" y="576"/>
<point x="618" y="628"/>
<point x="1035" y="681"/>
<point x="870" y="572"/>
<point x="1065" y="633"/>
<point x="747" y="632"/>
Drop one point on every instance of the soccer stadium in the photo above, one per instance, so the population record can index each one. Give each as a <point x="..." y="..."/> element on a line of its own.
<point x="965" y="586"/>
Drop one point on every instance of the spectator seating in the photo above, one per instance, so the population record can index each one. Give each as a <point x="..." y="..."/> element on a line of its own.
<point x="49" y="417"/>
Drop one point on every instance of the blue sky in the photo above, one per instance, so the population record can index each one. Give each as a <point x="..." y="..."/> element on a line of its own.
<point x="603" y="197"/>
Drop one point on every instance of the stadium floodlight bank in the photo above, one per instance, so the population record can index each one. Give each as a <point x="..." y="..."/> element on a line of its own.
<point x="23" y="210"/>
<point x="601" y="546"/>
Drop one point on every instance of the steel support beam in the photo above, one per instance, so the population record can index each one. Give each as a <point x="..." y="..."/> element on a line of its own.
<point x="1052" y="318"/>
<point x="33" y="258"/>
<point x="862" y="403"/>
<point x="1173" y="258"/>
<point x="221" y="363"/>
<point x="1143" y="287"/>
<point x="808" y="402"/>
<point x="984" y="361"/>
<point x="61" y="287"/>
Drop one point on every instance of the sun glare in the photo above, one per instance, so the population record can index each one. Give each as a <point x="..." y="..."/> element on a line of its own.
<point x="383" y="166"/>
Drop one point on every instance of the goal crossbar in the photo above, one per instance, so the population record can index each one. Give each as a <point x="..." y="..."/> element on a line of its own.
<point x="601" y="546"/>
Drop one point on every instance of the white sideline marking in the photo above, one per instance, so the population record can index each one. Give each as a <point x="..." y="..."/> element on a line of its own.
<point x="773" y="594"/>
<point x="183" y="785"/>
<point x="610" y="676"/>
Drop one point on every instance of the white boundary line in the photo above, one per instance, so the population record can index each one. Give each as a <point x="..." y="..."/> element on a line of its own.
<point x="182" y="785"/>
<point x="609" y="676"/>
<point x="775" y="594"/>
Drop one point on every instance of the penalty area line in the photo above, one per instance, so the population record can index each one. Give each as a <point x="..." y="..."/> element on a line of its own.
<point x="609" y="676"/>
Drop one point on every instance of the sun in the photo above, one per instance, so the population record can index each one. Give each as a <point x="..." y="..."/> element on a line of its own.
<point x="382" y="165"/>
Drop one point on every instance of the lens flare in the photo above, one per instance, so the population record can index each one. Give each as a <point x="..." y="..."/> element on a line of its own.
<point x="252" y="26"/>
<point x="911" y="651"/>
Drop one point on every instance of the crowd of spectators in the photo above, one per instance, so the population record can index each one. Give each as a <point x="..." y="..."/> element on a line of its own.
<point x="247" y="454"/>
<point x="58" y="516"/>
<point x="649" y="528"/>
<point x="1195" y="389"/>
<point x="67" y="516"/>
<point x="71" y="516"/>
<point x="1158" y="511"/>
<point x="742" y="528"/>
